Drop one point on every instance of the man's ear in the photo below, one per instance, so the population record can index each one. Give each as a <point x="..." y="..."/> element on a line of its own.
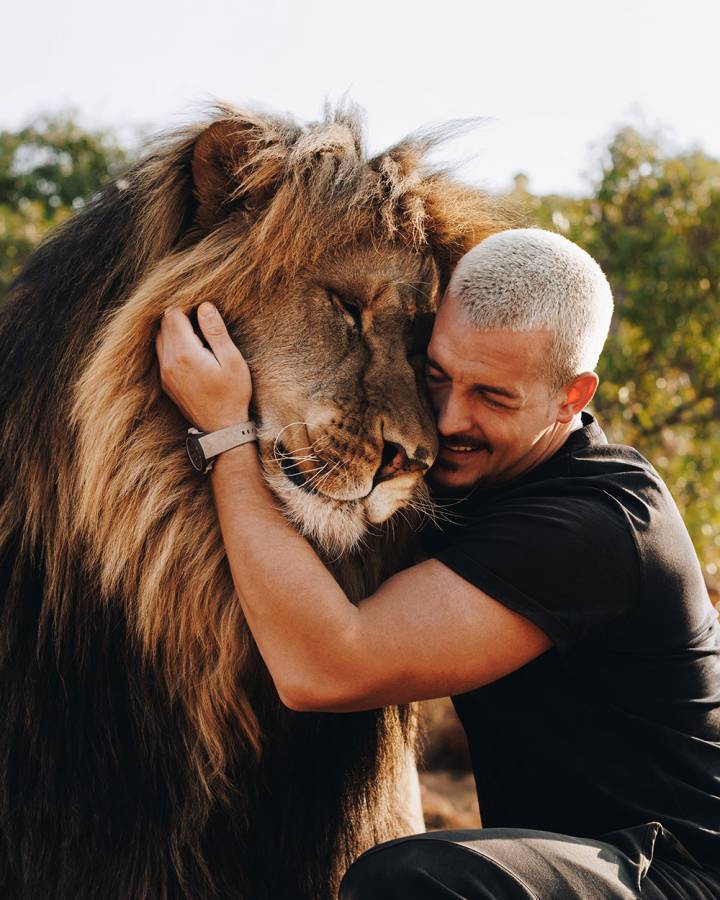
<point x="578" y="394"/>
<point x="236" y="164"/>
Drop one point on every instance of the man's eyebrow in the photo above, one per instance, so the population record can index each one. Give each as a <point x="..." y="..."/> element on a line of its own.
<point x="486" y="388"/>
<point x="436" y="365"/>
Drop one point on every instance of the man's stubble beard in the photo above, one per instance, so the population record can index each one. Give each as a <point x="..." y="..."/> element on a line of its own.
<point x="441" y="490"/>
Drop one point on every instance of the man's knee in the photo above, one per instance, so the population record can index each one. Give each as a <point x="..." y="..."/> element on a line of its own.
<point x="386" y="871"/>
<point x="421" y="869"/>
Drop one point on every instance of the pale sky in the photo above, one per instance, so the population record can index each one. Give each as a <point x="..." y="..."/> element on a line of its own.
<point x="553" y="78"/>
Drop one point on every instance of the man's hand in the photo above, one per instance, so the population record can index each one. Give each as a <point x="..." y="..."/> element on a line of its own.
<point x="211" y="389"/>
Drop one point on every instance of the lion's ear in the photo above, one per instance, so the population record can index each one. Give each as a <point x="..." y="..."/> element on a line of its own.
<point x="231" y="169"/>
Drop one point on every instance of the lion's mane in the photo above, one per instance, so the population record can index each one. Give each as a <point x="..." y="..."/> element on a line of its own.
<point x="143" y="751"/>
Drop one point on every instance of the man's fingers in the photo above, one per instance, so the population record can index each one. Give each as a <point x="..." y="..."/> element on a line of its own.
<point x="216" y="334"/>
<point x="179" y="329"/>
<point x="181" y="343"/>
<point x="211" y="388"/>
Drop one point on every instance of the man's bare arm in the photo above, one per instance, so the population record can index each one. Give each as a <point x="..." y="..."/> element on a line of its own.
<point x="425" y="633"/>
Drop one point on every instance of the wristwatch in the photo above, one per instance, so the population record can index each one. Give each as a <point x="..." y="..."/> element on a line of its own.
<point x="204" y="446"/>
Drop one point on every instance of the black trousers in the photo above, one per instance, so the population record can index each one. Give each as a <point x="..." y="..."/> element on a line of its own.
<point x="518" y="864"/>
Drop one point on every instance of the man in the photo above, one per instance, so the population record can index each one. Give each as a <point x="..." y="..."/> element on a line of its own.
<point x="565" y="614"/>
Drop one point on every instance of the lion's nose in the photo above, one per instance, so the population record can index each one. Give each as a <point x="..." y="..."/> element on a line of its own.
<point x="395" y="461"/>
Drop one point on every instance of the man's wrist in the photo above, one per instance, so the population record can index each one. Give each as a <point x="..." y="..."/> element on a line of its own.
<point x="226" y="421"/>
<point x="240" y="458"/>
<point x="204" y="448"/>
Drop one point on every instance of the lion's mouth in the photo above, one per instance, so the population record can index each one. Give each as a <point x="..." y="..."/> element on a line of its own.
<point x="310" y="482"/>
<point x="337" y="523"/>
<point x="393" y="464"/>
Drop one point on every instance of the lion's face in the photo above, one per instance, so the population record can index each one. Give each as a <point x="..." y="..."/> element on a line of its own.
<point x="346" y="431"/>
<point x="360" y="247"/>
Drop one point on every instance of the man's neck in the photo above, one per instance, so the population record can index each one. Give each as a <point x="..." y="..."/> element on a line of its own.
<point x="557" y="439"/>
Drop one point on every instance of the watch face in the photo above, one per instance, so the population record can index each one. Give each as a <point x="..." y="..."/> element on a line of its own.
<point x="194" y="451"/>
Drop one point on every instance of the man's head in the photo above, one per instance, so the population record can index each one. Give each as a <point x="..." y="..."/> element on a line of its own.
<point x="511" y="359"/>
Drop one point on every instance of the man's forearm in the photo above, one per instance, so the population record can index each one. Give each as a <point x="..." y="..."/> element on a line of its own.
<point x="304" y="625"/>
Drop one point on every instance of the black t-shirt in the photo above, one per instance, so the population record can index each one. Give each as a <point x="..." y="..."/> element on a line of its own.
<point x="618" y="723"/>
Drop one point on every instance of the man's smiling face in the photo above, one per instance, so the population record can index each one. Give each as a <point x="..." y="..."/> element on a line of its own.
<point x="496" y="412"/>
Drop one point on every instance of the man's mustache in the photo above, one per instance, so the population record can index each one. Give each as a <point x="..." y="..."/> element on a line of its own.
<point x="463" y="440"/>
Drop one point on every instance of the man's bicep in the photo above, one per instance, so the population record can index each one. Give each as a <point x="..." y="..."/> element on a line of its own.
<point x="427" y="632"/>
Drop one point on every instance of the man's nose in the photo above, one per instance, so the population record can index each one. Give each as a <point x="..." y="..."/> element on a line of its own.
<point x="452" y="417"/>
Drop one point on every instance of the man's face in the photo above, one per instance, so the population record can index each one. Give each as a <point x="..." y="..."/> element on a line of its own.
<point x="496" y="413"/>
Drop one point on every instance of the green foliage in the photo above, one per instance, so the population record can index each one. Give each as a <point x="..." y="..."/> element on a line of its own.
<point x="653" y="224"/>
<point x="47" y="171"/>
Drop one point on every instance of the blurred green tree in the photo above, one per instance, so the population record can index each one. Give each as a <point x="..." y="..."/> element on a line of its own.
<point x="653" y="223"/>
<point x="48" y="169"/>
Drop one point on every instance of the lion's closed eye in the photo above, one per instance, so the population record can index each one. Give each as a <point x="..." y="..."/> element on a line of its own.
<point x="347" y="308"/>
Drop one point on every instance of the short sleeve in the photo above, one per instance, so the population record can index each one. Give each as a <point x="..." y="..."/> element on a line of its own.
<point x="569" y="564"/>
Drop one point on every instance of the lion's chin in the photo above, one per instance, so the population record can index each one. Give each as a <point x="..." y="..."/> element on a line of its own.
<point x="387" y="498"/>
<point x="338" y="526"/>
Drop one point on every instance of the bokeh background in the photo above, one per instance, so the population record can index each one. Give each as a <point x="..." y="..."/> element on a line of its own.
<point x="600" y="121"/>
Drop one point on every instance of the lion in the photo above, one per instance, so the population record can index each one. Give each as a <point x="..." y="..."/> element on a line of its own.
<point x="145" y="752"/>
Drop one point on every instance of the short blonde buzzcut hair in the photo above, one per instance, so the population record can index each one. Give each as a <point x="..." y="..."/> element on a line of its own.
<point x="527" y="279"/>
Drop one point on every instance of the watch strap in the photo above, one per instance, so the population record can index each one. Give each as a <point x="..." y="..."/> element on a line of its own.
<point x="215" y="442"/>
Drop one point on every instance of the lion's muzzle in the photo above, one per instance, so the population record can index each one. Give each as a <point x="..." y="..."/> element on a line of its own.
<point x="395" y="461"/>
